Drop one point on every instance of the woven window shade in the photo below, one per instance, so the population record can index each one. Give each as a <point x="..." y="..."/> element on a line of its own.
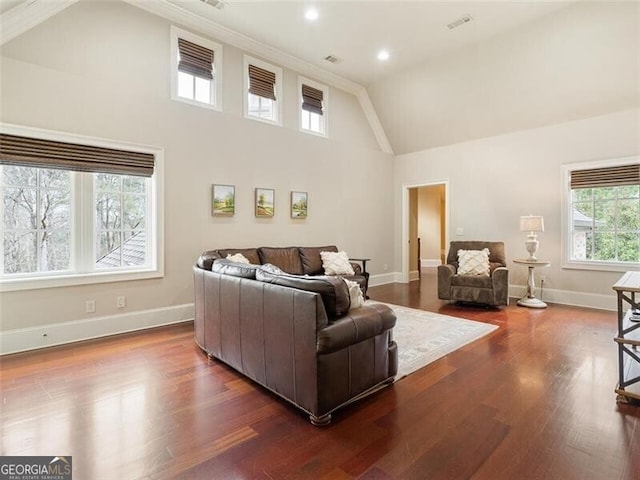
<point x="195" y="59"/>
<point x="262" y="82"/>
<point x="312" y="99"/>
<point x="35" y="152"/>
<point x="606" y="176"/>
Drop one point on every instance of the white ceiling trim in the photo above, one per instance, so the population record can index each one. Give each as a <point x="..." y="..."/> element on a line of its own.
<point x="26" y="15"/>
<point x="175" y="13"/>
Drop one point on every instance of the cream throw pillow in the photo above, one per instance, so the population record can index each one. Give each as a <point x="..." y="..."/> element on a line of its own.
<point x="238" y="258"/>
<point x="336" y="263"/>
<point x="355" y="293"/>
<point x="473" y="262"/>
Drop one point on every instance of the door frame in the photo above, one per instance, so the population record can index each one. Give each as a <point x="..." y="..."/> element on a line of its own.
<point x="404" y="274"/>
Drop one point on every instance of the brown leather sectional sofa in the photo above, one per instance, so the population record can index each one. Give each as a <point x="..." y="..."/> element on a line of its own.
<point x="292" y="333"/>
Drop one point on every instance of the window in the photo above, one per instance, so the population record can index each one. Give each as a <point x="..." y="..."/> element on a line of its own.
<point x="263" y="87"/>
<point x="77" y="213"/>
<point x="36" y="220"/>
<point x="195" y="73"/>
<point x="602" y="215"/>
<point x="313" y="98"/>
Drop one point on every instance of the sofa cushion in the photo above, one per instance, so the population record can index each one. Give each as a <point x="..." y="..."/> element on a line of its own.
<point x="235" y="269"/>
<point x="285" y="258"/>
<point x="333" y="291"/>
<point x="250" y="254"/>
<point x="205" y="261"/>
<point x="238" y="258"/>
<point x="311" y="261"/>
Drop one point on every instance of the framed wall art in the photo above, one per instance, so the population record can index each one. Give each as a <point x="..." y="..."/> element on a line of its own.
<point x="223" y="200"/>
<point x="265" y="202"/>
<point x="299" y="204"/>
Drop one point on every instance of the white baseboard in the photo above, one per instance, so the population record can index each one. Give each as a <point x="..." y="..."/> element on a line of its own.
<point x="414" y="275"/>
<point x="430" y="262"/>
<point x="382" y="279"/>
<point x="565" y="297"/>
<point x="23" y="339"/>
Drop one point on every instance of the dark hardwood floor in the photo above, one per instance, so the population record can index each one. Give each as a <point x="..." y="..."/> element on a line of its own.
<point x="533" y="400"/>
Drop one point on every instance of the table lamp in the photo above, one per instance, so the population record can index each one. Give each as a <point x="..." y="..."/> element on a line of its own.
<point x="532" y="224"/>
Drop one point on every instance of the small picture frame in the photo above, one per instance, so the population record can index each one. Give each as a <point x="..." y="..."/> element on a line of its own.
<point x="265" y="202"/>
<point x="299" y="203"/>
<point x="223" y="200"/>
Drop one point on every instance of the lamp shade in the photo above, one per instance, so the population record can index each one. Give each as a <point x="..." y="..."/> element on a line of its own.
<point x="532" y="223"/>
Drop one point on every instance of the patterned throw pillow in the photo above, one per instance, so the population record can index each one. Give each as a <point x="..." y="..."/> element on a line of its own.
<point x="336" y="263"/>
<point x="238" y="258"/>
<point x="473" y="262"/>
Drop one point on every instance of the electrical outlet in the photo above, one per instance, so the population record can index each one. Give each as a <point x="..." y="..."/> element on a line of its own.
<point x="459" y="231"/>
<point x="121" y="301"/>
<point x="543" y="278"/>
<point x="90" y="306"/>
<point x="386" y="267"/>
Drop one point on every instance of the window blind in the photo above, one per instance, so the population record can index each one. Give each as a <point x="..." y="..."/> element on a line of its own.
<point x="606" y="176"/>
<point x="262" y="82"/>
<point x="312" y="99"/>
<point x="40" y="153"/>
<point x="195" y="59"/>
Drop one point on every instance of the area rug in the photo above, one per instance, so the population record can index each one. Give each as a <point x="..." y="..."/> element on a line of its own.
<point x="424" y="337"/>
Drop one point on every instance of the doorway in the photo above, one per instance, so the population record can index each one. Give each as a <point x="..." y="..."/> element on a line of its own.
<point x="426" y="214"/>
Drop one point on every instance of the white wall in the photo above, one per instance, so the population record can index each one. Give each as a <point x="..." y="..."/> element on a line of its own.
<point x="102" y="69"/>
<point x="581" y="61"/>
<point x="495" y="180"/>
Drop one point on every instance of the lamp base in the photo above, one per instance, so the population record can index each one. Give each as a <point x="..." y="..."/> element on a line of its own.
<point x="532" y="247"/>
<point x="531" y="302"/>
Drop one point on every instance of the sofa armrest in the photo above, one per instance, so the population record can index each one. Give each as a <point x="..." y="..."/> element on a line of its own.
<point x="445" y="273"/>
<point x="359" y="324"/>
<point x="357" y="270"/>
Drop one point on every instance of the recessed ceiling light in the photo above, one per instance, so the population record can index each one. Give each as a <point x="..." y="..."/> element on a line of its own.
<point x="311" y="14"/>
<point x="383" y="55"/>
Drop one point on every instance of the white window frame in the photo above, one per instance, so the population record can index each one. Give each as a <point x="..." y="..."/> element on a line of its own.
<point x="82" y="223"/>
<point x="324" y="118"/>
<point x="216" y="83"/>
<point x="567" y="218"/>
<point x="247" y="60"/>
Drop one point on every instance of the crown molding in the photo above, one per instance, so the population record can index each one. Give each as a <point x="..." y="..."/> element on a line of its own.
<point x="26" y="15"/>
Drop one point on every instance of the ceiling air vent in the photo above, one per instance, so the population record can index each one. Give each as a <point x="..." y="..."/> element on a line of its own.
<point x="332" y="59"/>
<point x="461" y="21"/>
<point x="219" y="4"/>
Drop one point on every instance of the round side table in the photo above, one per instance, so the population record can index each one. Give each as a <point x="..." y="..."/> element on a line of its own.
<point x="530" y="300"/>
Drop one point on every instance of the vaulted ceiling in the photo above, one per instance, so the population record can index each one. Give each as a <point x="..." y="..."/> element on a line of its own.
<point x="474" y="74"/>
<point x="352" y="31"/>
